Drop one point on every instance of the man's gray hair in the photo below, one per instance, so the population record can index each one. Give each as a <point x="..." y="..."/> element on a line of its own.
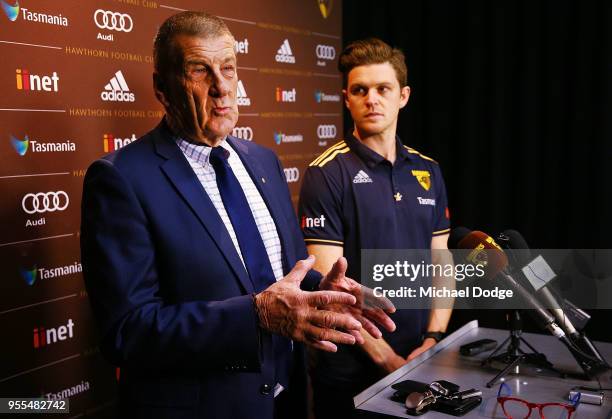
<point x="200" y="24"/>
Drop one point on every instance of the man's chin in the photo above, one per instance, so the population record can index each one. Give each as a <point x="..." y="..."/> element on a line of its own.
<point x="370" y="129"/>
<point x="217" y="134"/>
<point x="220" y="130"/>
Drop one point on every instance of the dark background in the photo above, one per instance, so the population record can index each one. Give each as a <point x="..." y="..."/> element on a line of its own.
<point x="513" y="99"/>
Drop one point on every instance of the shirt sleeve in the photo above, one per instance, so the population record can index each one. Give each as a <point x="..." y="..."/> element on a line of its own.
<point x="320" y="210"/>
<point x="442" y="217"/>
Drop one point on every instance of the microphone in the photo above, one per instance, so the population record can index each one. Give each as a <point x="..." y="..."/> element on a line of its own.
<point x="456" y="235"/>
<point x="485" y="249"/>
<point x="516" y="245"/>
<point x="486" y="252"/>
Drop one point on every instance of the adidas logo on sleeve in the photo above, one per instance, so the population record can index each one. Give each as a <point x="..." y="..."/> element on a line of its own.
<point x="362" y="177"/>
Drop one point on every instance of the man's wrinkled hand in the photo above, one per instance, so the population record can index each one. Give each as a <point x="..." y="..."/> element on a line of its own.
<point x="285" y="309"/>
<point x="368" y="309"/>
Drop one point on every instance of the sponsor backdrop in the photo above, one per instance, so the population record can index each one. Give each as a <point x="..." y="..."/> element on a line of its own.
<point x="76" y="85"/>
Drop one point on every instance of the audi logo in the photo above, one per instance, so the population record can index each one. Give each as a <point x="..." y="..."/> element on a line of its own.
<point x="325" y="52"/>
<point x="246" y="133"/>
<point x="292" y="174"/>
<point x="326" y="131"/>
<point x="113" y="21"/>
<point x="45" y="202"/>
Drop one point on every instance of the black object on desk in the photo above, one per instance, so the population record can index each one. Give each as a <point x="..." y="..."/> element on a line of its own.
<point x="478" y="346"/>
<point x="457" y="407"/>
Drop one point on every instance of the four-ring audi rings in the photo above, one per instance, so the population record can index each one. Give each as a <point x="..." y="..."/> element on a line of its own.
<point x="325" y="52"/>
<point x="45" y="202"/>
<point x="113" y="21"/>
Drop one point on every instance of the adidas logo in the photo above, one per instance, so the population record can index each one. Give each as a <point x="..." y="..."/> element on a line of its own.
<point x="362" y="177"/>
<point x="284" y="54"/>
<point x="242" y="99"/>
<point x="117" y="90"/>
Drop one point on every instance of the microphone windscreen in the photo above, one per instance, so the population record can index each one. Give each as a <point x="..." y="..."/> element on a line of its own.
<point x="485" y="252"/>
<point x="456" y="235"/>
<point x="517" y="249"/>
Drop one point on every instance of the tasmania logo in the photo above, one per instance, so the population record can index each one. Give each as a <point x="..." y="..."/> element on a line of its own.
<point x="29" y="275"/>
<point x="11" y="12"/>
<point x="36" y="146"/>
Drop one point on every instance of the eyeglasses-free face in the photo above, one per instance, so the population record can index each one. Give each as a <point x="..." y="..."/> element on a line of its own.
<point x="517" y="408"/>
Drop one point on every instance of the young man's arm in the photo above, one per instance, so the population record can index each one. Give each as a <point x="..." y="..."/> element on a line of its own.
<point x="377" y="349"/>
<point x="441" y="309"/>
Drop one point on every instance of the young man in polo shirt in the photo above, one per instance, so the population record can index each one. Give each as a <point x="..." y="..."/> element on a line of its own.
<point x="372" y="192"/>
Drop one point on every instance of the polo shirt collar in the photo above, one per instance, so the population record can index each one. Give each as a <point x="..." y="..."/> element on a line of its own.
<point x="372" y="158"/>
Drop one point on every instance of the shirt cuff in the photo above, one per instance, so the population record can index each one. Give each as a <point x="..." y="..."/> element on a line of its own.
<point x="324" y="241"/>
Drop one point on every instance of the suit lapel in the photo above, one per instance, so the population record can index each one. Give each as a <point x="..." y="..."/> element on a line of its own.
<point x="270" y="197"/>
<point x="181" y="175"/>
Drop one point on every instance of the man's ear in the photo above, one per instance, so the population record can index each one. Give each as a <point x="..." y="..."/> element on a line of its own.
<point x="404" y="95"/>
<point x="345" y="96"/>
<point x="159" y="87"/>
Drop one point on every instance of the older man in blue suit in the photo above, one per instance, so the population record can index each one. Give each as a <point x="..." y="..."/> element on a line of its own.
<point x="193" y="258"/>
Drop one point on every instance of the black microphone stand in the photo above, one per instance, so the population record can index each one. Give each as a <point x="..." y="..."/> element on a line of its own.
<point x="514" y="356"/>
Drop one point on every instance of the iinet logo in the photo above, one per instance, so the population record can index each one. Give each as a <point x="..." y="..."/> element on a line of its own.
<point x="51" y="335"/>
<point x="286" y="95"/>
<point x="313" y="222"/>
<point x="111" y="143"/>
<point x="28" y="82"/>
<point x="241" y="47"/>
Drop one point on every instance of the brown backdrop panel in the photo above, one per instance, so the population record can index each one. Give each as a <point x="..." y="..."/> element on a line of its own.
<point x="76" y="85"/>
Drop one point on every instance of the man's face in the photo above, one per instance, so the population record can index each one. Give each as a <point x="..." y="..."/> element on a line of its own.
<point x="200" y="95"/>
<point x="374" y="98"/>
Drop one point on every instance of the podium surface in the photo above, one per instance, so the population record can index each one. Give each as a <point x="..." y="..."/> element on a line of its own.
<point x="444" y="362"/>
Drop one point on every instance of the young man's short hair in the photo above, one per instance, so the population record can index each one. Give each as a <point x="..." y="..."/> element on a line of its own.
<point x="372" y="51"/>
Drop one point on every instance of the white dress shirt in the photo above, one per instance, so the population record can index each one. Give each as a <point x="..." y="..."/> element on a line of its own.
<point x="198" y="156"/>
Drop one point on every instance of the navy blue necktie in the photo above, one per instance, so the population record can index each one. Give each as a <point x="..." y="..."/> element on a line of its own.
<point x="251" y="245"/>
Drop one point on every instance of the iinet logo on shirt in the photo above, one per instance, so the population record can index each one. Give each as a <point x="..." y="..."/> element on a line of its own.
<point x="313" y="222"/>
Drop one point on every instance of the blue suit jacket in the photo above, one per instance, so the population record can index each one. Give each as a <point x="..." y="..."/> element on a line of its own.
<point x="168" y="289"/>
